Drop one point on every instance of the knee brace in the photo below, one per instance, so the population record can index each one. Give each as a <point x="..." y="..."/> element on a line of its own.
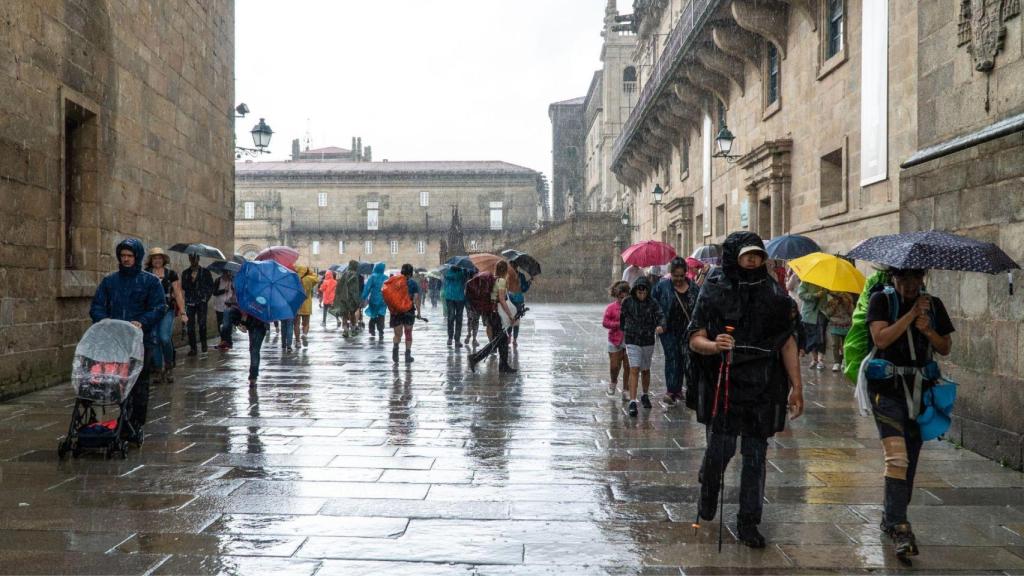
<point x="896" y="461"/>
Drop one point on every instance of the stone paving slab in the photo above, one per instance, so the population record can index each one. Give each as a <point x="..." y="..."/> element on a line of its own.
<point x="341" y="463"/>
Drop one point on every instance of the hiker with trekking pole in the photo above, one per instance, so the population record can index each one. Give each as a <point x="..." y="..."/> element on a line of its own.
<point x="745" y="377"/>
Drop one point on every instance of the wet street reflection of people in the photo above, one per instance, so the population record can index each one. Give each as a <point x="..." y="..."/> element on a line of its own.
<point x="743" y="330"/>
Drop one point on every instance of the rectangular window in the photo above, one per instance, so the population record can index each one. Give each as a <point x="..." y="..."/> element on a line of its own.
<point x="496" y="216"/>
<point x="772" y="74"/>
<point x="720" y="227"/>
<point x="368" y="247"/>
<point x="250" y="210"/>
<point x="316" y="247"/>
<point x="834" y="40"/>
<point x="424" y="198"/>
<point x="472" y="244"/>
<point x="832" y="177"/>
<point x="79" y="179"/>
<point x="321" y="199"/>
<point x="372" y="213"/>
<point x="394" y="246"/>
<point x="421" y="247"/>
<point x="341" y="246"/>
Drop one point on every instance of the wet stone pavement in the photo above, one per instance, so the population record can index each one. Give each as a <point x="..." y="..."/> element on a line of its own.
<point x="341" y="463"/>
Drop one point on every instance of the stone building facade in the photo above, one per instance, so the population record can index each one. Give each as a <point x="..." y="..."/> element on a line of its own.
<point x="113" y="125"/>
<point x="822" y="107"/>
<point x="567" y="140"/>
<point x="610" y="98"/>
<point x="396" y="212"/>
<point x="967" y="176"/>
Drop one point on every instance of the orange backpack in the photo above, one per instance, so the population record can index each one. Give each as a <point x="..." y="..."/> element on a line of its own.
<point x="396" y="294"/>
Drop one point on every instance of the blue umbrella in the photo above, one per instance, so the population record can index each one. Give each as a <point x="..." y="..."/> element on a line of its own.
<point x="269" y="291"/>
<point x="790" y="247"/>
<point x="365" y="268"/>
<point x="462" y="262"/>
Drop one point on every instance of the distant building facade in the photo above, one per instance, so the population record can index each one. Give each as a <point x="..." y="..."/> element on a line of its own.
<point x="567" y="141"/>
<point x="112" y="124"/>
<point x="612" y="94"/>
<point x="334" y="211"/>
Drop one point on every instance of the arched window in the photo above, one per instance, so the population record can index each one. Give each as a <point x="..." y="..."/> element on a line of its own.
<point x="629" y="80"/>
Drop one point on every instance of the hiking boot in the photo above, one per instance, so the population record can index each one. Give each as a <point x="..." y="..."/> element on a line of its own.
<point x="646" y="401"/>
<point x="611" y="388"/>
<point x="394" y="354"/>
<point x="458" y="344"/>
<point x="633" y="411"/>
<point x="507" y="369"/>
<point x="449" y="342"/>
<point x="408" y="356"/>
<point x="903" y="540"/>
<point x="749" y="535"/>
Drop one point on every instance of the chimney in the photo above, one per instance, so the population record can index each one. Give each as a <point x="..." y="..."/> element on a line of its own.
<point x="355" y="153"/>
<point x="359" y="149"/>
<point x="369" y="154"/>
<point x="295" y="149"/>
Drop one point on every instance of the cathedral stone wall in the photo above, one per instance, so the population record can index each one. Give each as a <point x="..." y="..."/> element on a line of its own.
<point x="115" y="120"/>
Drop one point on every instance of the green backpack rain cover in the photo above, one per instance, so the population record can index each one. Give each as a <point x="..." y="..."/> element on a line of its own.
<point x="857" y="343"/>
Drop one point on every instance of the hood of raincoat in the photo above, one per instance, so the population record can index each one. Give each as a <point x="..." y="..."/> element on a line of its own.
<point x="328" y="275"/>
<point x="136" y="246"/>
<point x="379" y="267"/>
<point x="731" y="253"/>
<point x="641" y="281"/>
<point x="353" y="265"/>
<point x="303" y="271"/>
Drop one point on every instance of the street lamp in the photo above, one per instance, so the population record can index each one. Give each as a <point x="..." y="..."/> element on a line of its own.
<point x="625" y="222"/>
<point x="723" y="145"/>
<point x="658" y="193"/>
<point x="261" y="134"/>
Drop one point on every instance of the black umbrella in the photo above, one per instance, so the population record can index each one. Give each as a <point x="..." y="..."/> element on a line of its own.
<point x="462" y="262"/>
<point x="708" y="253"/>
<point x="365" y="268"/>
<point x="790" y="247"/>
<point x="522" y="261"/>
<point x="222" y="266"/>
<point x="935" y="250"/>
<point x="201" y="250"/>
<point x="335" y="267"/>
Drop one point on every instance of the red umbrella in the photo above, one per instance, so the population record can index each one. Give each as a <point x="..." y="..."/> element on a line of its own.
<point x="283" y="255"/>
<point x="648" y="253"/>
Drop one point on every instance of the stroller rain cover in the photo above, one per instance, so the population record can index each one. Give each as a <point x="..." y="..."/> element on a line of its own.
<point x="108" y="360"/>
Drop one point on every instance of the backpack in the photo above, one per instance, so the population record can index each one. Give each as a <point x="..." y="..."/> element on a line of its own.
<point x="858" y="339"/>
<point x="396" y="294"/>
<point x="478" y="293"/>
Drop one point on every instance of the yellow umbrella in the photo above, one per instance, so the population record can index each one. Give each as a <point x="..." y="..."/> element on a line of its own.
<point x="830" y="272"/>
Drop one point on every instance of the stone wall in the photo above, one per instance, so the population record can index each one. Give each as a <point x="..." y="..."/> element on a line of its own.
<point x="115" y="120"/>
<point x="567" y="151"/>
<point x="576" y="256"/>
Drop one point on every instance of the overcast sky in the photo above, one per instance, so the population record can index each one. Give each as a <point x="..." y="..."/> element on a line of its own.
<point x="417" y="79"/>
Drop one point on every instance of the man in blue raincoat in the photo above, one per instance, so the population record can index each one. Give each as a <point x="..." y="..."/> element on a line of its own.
<point x="137" y="297"/>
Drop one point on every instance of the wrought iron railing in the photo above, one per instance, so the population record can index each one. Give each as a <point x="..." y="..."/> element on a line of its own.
<point x="691" y="20"/>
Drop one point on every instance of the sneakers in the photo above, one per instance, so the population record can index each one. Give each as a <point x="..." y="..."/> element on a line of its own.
<point x="633" y="411"/>
<point x="612" y="387"/>
<point x="458" y="344"/>
<point x="288" y="350"/>
<point x="625" y="395"/>
<point x="305" y="342"/>
<point x="749" y="535"/>
<point x="819" y="366"/>
<point x="646" y="401"/>
<point x="903" y="540"/>
<point x="669" y="400"/>
<point x="835" y="367"/>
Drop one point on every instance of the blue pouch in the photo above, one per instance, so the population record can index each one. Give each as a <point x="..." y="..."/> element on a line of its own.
<point x="879" y="369"/>
<point x="938" y="401"/>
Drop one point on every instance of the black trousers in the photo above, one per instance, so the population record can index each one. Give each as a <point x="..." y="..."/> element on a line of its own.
<point x="497" y="332"/>
<point x="139" y="396"/>
<point x="196" y="316"/>
<point x="455" y="308"/>
<point x="721" y="448"/>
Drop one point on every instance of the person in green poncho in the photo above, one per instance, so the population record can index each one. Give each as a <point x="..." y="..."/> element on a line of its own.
<point x="855" y="348"/>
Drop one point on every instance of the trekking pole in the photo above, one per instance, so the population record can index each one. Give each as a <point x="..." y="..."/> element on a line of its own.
<point x="721" y="485"/>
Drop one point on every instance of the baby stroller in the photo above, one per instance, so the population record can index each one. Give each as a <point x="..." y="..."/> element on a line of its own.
<point x="108" y="361"/>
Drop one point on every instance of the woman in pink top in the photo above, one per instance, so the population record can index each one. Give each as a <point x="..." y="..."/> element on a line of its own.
<point x="616" y="349"/>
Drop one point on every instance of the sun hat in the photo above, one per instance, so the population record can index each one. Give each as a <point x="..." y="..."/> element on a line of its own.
<point x="156" y="251"/>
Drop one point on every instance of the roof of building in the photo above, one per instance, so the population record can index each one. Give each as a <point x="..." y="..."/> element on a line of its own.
<point x="382" y="168"/>
<point x="570" y="102"/>
<point x="326" y="150"/>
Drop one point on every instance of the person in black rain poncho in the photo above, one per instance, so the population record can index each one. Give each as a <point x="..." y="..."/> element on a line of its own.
<point x="742" y="334"/>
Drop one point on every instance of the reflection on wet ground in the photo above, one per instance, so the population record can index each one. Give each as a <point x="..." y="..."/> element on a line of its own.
<point x="341" y="463"/>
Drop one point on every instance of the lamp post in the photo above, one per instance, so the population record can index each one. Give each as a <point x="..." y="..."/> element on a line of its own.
<point x="723" y="145"/>
<point x="261" y="134"/>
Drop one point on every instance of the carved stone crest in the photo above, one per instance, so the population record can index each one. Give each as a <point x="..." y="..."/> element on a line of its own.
<point x="982" y="27"/>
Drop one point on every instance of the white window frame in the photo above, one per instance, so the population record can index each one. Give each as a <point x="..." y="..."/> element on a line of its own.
<point x="368" y="247"/>
<point x="341" y="246"/>
<point x="472" y="245"/>
<point x="373" y="215"/>
<point x="497" y="209"/>
<point x="321" y="199"/>
<point x="393" y="246"/>
<point x="424" y="198"/>
<point x="249" y="210"/>
<point x="315" y="247"/>
<point x="421" y="247"/>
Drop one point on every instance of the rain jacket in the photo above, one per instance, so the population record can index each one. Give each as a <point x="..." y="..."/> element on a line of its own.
<point x="308" y="279"/>
<point x="371" y="292"/>
<point x="611" y="323"/>
<point x="327" y="288"/>
<point x="455" y="285"/>
<point x="639" y="319"/>
<point x="665" y="294"/>
<point x="812" y="300"/>
<point x="763" y="319"/>
<point x="346" y="293"/>
<point x="131" y="295"/>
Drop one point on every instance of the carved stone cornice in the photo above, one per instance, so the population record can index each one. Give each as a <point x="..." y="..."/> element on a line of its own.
<point x="726" y="65"/>
<point x="768" y="162"/>
<point x="682" y="203"/>
<point x="809" y="8"/>
<point x="767" y="18"/>
<point x="708" y="80"/>
<point x="738" y="43"/>
<point x="982" y="26"/>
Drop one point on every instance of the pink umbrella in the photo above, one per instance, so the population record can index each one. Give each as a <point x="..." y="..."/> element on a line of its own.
<point x="283" y="255"/>
<point x="648" y="253"/>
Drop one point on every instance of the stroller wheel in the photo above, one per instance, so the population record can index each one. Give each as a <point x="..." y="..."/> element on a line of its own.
<point x="124" y="449"/>
<point x="62" y="449"/>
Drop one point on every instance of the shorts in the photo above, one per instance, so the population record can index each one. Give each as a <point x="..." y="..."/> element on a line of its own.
<point x="613" y="348"/>
<point x="640" y="356"/>
<point x="403" y="319"/>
